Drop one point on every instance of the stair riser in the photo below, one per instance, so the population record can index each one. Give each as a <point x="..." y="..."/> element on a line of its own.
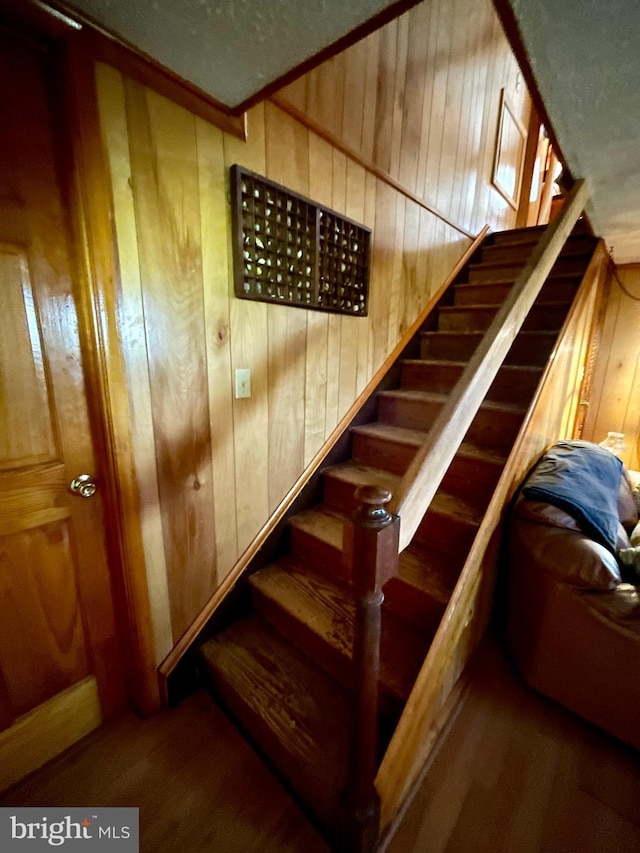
<point x="517" y="237"/>
<point x="468" y="478"/>
<point x="491" y="429"/>
<point x="413" y="605"/>
<point x="540" y="318"/>
<point x="472" y="480"/>
<point x="446" y="533"/>
<point x="322" y="556"/>
<point x="382" y="453"/>
<point x="458" y="347"/>
<point x="339" y="494"/>
<point x="511" y="271"/>
<point x="443" y="532"/>
<point x="508" y="387"/>
<point x="522" y="252"/>
<point x="494" y="294"/>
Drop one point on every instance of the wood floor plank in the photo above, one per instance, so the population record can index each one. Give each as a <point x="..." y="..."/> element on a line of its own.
<point x="516" y="772"/>
<point x="198" y="784"/>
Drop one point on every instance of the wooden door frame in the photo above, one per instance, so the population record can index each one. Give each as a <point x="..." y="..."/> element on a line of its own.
<point x="97" y="301"/>
<point x="86" y="191"/>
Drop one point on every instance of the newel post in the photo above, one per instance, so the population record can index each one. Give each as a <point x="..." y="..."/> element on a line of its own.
<point x="371" y="551"/>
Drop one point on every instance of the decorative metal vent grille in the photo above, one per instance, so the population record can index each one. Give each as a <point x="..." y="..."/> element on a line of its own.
<point x="290" y="250"/>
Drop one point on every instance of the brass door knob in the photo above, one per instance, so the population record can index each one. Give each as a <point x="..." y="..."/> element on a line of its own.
<point x="83" y="485"/>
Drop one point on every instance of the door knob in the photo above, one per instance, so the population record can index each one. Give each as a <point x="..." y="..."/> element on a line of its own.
<point x="83" y="485"/>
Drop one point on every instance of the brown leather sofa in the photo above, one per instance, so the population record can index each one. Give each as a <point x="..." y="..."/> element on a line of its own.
<point x="573" y="628"/>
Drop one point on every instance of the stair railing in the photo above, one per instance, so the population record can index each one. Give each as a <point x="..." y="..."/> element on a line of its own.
<point x="425" y="473"/>
<point x="375" y="537"/>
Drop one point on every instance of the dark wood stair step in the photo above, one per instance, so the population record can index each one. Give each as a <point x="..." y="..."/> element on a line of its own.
<point x="384" y="446"/>
<point x="547" y="317"/>
<point x="529" y="348"/>
<point x="318" y="615"/>
<point x="316" y="538"/>
<point x="578" y="244"/>
<point x="449" y="526"/>
<point x="516" y="236"/>
<point x="473" y="473"/>
<point x="560" y="289"/>
<point x="316" y="543"/>
<point x="513" y="384"/>
<point x="297" y="715"/>
<point x="505" y="271"/>
<point x="424" y="586"/>
<point x="494" y="426"/>
<point x="340" y="483"/>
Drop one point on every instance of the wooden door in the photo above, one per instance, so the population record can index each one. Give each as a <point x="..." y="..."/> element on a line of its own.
<point x="57" y="627"/>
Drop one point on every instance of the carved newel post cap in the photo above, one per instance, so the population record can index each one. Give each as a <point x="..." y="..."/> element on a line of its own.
<point x="372" y="501"/>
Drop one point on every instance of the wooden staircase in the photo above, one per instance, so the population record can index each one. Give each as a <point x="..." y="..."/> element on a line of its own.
<point x="283" y="670"/>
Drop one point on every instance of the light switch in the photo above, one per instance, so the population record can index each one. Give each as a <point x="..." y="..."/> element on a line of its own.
<point x="243" y="383"/>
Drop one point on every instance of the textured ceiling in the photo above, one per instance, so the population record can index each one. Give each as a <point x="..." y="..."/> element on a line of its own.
<point x="230" y="49"/>
<point x="585" y="56"/>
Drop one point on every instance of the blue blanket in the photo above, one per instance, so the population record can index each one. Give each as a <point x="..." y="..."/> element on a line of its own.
<point x="583" y="479"/>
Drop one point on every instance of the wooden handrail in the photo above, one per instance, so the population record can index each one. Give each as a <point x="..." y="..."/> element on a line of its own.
<point x="424" y="475"/>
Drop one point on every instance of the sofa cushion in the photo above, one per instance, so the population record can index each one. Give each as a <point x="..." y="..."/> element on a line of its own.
<point x="567" y="555"/>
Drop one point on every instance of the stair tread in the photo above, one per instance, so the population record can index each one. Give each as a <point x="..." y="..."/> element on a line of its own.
<point x="298" y="715"/>
<point x="327" y="524"/>
<point x="437" y="362"/>
<point x="328" y="610"/>
<point x="412" y="394"/>
<point x="508" y="279"/>
<point x="517" y="236"/>
<point x="576" y="244"/>
<point x="363" y="475"/>
<point x="494" y="306"/>
<point x="401" y="435"/>
<point x="479" y="334"/>
<point x="416" y="438"/>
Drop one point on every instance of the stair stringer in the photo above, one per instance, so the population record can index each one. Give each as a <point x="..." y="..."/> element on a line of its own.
<point x="551" y="416"/>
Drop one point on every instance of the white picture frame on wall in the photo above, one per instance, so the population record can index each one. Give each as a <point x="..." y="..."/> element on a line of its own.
<point x="508" y="161"/>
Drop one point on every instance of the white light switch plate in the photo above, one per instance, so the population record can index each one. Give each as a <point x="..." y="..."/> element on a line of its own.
<point x="243" y="383"/>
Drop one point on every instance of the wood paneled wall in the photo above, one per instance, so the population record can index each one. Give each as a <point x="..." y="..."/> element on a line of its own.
<point x="615" y="401"/>
<point x="212" y="469"/>
<point x="420" y="98"/>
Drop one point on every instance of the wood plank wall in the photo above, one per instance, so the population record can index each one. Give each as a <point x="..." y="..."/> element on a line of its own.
<point x="615" y="402"/>
<point x="420" y="98"/>
<point x="417" y="99"/>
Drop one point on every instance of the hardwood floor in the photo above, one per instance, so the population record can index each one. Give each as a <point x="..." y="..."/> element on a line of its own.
<point x="198" y="784"/>
<point x="514" y="774"/>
